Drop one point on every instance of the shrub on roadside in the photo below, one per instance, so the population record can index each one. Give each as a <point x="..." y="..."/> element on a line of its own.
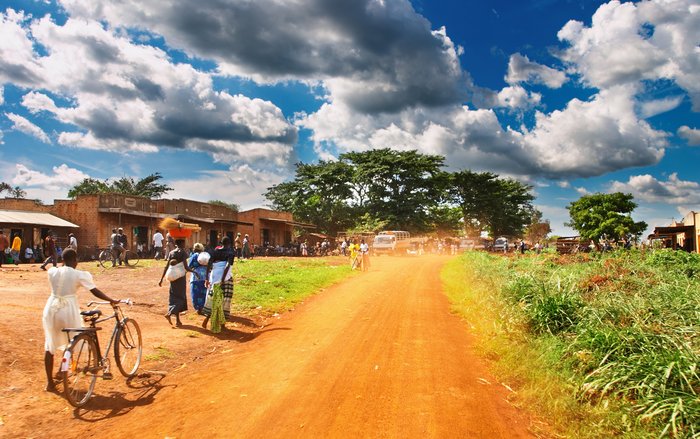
<point x="627" y="324"/>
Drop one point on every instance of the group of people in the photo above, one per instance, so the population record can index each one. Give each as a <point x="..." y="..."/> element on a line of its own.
<point x="211" y="282"/>
<point x="47" y="253"/>
<point x="359" y="253"/>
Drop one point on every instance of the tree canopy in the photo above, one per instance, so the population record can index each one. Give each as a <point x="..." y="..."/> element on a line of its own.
<point x="231" y="206"/>
<point x="402" y="190"/>
<point x="598" y="215"/>
<point x="13" y="192"/>
<point x="502" y="207"/>
<point x="145" y="187"/>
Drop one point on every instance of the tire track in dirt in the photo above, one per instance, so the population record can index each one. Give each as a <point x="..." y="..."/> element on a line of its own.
<point x="377" y="356"/>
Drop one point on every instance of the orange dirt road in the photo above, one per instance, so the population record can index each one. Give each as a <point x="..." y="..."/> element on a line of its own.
<point x="377" y="356"/>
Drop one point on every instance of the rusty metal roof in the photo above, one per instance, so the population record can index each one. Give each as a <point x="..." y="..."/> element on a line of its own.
<point x="36" y="218"/>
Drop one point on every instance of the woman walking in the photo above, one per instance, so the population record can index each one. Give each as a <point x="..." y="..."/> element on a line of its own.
<point x="218" y="303"/>
<point x="198" y="263"/>
<point x="176" y="269"/>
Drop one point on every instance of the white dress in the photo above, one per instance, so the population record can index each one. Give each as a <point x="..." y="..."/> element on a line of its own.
<point x="62" y="310"/>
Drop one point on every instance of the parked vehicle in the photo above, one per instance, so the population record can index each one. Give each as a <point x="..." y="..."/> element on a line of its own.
<point x="500" y="245"/>
<point x="391" y="242"/>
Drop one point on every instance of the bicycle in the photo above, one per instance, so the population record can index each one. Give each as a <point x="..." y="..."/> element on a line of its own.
<point x="82" y="360"/>
<point x="108" y="257"/>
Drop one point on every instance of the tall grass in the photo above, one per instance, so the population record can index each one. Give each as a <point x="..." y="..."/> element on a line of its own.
<point x="618" y="333"/>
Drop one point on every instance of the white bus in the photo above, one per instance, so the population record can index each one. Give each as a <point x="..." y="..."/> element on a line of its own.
<point x="391" y="242"/>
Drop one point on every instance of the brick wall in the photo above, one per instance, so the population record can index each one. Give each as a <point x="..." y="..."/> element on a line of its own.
<point x="23" y="204"/>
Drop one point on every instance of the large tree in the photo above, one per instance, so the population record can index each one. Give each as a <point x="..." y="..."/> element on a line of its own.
<point x="319" y="194"/>
<point x="605" y="215"/>
<point x="145" y="187"/>
<point x="502" y="207"/>
<point x="538" y="229"/>
<point x="399" y="187"/>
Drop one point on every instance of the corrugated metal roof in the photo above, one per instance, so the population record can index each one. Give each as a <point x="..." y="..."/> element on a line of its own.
<point x="38" y="218"/>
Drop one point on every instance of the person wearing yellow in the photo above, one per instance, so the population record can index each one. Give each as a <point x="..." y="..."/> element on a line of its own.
<point x="15" y="248"/>
<point x="354" y="252"/>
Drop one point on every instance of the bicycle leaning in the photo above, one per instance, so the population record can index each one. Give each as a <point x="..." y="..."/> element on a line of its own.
<point x="83" y="360"/>
<point x="109" y="257"/>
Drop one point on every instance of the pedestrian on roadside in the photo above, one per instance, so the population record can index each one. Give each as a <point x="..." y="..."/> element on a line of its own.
<point x="62" y="309"/>
<point x="198" y="261"/>
<point x="364" y="250"/>
<point x="246" y="247"/>
<point x="50" y="244"/>
<point x="169" y="243"/>
<point x="4" y="244"/>
<point x="177" y="301"/>
<point x="72" y="242"/>
<point x="123" y="241"/>
<point x="217" y="307"/>
<point x="237" y="246"/>
<point x="158" y="245"/>
<point x="16" y="247"/>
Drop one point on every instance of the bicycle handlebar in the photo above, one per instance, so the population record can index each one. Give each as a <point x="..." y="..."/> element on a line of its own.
<point x="124" y="301"/>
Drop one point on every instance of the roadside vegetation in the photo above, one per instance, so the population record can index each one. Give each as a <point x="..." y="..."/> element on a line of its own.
<point x="279" y="284"/>
<point x="599" y="344"/>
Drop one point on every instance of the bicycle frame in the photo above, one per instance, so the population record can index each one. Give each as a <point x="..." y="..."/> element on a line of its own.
<point x="119" y="318"/>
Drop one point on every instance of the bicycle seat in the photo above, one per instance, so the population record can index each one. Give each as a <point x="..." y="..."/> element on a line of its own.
<point x="93" y="312"/>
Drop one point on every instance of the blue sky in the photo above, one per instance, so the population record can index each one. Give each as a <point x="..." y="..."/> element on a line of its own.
<point x="570" y="96"/>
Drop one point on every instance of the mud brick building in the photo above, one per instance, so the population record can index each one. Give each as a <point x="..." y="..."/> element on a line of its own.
<point x="94" y="217"/>
<point x="270" y="226"/>
<point x="32" y="223"/>
<point x="683" y="235"/>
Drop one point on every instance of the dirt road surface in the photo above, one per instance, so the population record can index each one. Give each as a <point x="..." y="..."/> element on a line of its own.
<point x="377" y="356"/>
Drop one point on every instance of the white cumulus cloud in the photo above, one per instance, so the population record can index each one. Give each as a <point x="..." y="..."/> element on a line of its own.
<point x="522" y="70"/>
<point x="62" y="177"/>
<point x="671" y="191"/>
<point x="691" y="135"/>
<point x="25" y="126"/>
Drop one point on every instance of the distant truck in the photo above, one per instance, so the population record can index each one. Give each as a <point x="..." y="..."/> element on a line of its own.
<point x="391" y="242"/>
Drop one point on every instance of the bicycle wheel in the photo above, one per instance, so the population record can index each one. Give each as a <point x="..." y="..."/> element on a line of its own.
<point x="127" y="348"/>
<point x="106" y="258"/>
<point x="131" y="258"/>
<point x="79" y="370"/>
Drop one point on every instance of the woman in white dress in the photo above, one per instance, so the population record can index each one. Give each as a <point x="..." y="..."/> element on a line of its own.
<point x="62" y="310"/>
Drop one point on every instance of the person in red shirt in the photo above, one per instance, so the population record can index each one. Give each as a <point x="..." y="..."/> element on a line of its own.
<point x="4" y="243"/>
<point x="50" y="245"/>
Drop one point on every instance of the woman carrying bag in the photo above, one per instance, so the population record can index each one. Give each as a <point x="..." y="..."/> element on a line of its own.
<point x="175" y="271"/>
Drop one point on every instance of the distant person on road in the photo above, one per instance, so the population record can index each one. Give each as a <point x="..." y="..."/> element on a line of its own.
<point x="116" y="246"/>
<point x="16" y="248"/>
<point x="246" y="247"/>
<point x="62" y="310"/>
<point x="51" y="256"/>
<point x="158" y="244"/>
<point x="169" y="244"/>
<point x="123" y="241"/>
<point x="364" y="250"/>
<point x="354" y="249"/>
<point x="4" y="244"/>
<point x="220" y="286"/>
<point x="343" y="247"/>
<point x="72" y="242"/>
<point x="177" y="301"/>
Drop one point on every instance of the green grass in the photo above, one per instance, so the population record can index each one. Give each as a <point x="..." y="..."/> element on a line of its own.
<point x="600" y="344"/>
<point x="279" y="284"/>
<point x="160" y="353"/>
